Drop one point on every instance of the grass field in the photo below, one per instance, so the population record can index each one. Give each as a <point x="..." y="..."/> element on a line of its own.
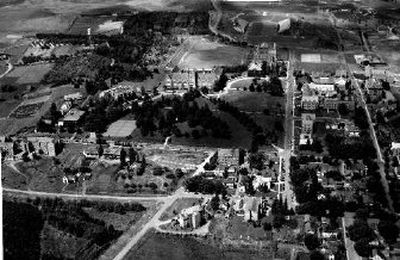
<point x="177" y="207"/>
<point x="29" y="74"/>
<point x="44" y="175"/>
<point x="208" y="54"/>
<point x="160" y="246"/>
<point x="12" y="179"/>
<point x="254" y="101"/>
<point x="119" y="222"/>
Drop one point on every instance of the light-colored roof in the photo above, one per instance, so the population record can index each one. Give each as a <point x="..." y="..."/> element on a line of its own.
<point x="74" y="115"/>
<point x="251" y="203"/>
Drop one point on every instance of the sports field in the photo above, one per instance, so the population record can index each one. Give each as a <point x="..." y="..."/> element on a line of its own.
<point x="206" y="54"/>
<point x="121" y="128"/>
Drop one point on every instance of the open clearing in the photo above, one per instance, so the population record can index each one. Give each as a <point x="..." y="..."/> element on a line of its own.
<point x="160" y="246"/>
<point x="29" y="74"/>
<point x="121" y="128"/>
<point x="207" y="54"/>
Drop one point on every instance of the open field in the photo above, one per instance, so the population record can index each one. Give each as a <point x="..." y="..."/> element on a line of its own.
<point x="118" y="221"/>
<point x="43" y="175"/>
<point x="207" y="54"/>
<point x="12" y="179"/>
<point x="177" y="207"/>
<point x="29" y="74"/>
<point x="121" y="128"/>
<point x="160" y="246"/>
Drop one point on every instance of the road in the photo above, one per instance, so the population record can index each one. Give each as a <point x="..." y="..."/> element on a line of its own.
<point x="80" y="196"/>
<point x="288" y="149"/>
<point x="381" y="162"/>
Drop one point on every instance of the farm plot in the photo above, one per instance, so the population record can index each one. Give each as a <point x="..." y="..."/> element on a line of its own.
<point x="30" y="74"/>
<point x="207" y="54"/>
<point x="121" y="128"/>
<point x="29" y="108"/>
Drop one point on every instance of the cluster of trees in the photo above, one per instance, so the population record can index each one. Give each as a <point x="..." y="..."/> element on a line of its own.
<point x="203" y="185"/>
<point x="343" y="147"/>
<point x="273" y="87"/>
<point x="151" y="117"/>
<point x="18" y="218"/>
<point x="305" y="184"/>
<point x="260" y="136"/>
<point x="279" y="210"/>
<point x="8" y="88"/>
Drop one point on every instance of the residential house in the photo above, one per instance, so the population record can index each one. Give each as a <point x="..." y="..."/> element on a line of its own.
<point x="72" y="118"/>
<point x="309" y="102"/>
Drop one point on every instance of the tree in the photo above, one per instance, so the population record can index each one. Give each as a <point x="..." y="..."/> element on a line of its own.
<point x="101" y="150"/>
<point x="363" y="248"/>
<point x="316" y="255"/>
<point x="158" y="171"/>
<point x="389" y="231"/>
<point x="214" y="203"/>
<point x="360" y="230"/>
<point x="123" y="157"/>
<point x="256" y="161"/>
<point x="311" y="241"/>
<point x="132" y="155"/>
<point x="342" y="109"/>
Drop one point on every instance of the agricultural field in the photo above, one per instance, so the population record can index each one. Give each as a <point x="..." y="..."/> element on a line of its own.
<point x="205" y="53"/>
<point x="30" y="107"/>
<point x="161" y="246"/>
<point x="81" y="24"/>
<point x="121" y="128"/>
<point x="118" y="221"/>
<point x="29" y="74"/>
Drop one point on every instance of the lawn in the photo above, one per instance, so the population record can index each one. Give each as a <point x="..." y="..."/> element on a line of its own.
<point x="255" y="101"/>
<point x="30" y="74"/>
<point x="160" y="246"/>
<point x="177" y="207"/>
<point x="241" y="138"/>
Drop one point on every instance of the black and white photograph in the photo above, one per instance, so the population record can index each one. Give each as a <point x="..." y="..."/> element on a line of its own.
<point x="200" y="129"/>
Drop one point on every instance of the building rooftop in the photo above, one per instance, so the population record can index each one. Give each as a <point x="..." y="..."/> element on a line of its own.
<point x="74" y="115"/>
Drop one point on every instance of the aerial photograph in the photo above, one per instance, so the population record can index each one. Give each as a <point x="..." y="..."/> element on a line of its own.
<point x="200" y="129"/>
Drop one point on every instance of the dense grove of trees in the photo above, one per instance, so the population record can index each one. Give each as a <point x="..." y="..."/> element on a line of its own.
<point x="203" y="185"/>
<point x="273" y="87"/>
<point x="345" y="147"/>
<point x="22" y="226"/>
<point x="153" y="116"/>
<point x="260" y="136"/>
